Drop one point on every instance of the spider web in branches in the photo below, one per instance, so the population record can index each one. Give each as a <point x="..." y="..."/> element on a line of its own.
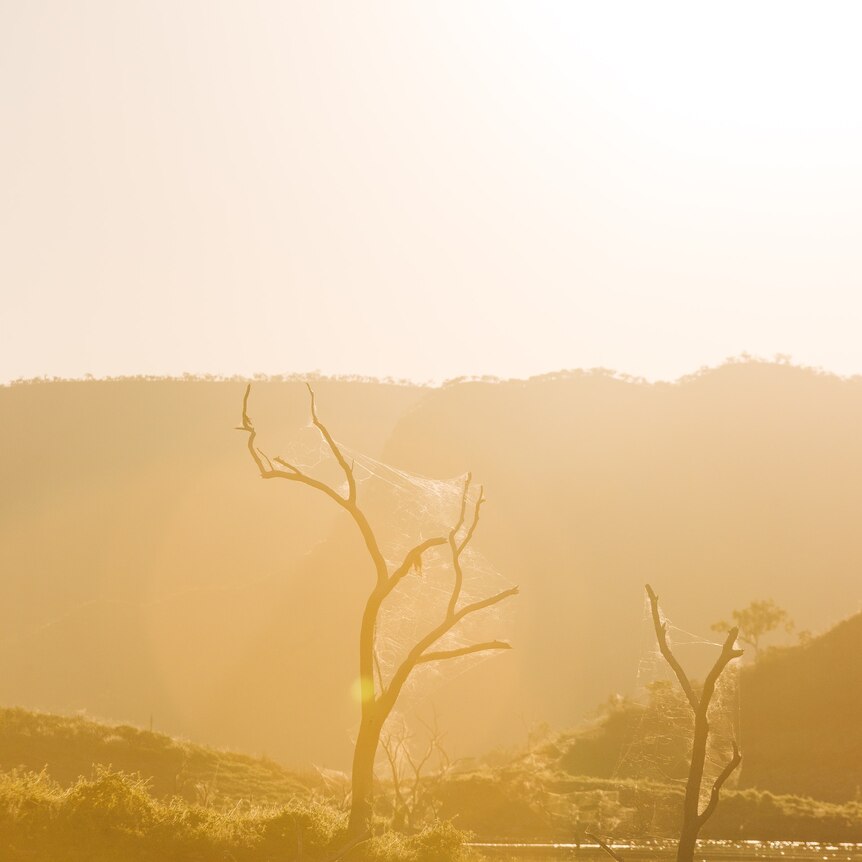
<point x="404" y="509"/>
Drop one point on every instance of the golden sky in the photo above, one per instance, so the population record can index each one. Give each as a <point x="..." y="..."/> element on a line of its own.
<point x="427" y="189"/>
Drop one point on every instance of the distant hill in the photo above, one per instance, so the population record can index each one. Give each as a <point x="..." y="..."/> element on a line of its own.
<point x="70" y="747"/>
<point x="147" y="571"/>
<point x="802" y="717"/>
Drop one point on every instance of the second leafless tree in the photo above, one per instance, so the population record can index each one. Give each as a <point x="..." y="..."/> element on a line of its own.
<point x="416" y="769"/>
<point x="693" y="819"/>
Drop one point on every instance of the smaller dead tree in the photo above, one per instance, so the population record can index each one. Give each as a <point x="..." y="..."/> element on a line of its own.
<point x="693" y="819"/>
<point x="416" y="771"/>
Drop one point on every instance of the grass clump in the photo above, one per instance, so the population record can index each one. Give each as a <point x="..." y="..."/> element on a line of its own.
<point x="437" y="842"/>
<point x="113" y="817"/>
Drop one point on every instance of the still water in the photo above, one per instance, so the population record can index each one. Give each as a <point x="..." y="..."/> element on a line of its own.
<point x="708" y="851"/>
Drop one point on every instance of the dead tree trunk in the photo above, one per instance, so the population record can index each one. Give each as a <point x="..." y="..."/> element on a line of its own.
<point x="362" y="774"/>
<point x="693" y="819"/>
<point x="377" y="701"/>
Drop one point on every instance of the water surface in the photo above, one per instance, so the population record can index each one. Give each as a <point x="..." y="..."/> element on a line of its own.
<point x="708" y="851"/>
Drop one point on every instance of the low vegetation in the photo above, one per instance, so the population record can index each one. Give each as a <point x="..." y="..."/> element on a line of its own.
<point x="113" y="816"/>
<point x="197" y="804"/>
<point x="73" y="790"/>
<point x="518" y="804"/>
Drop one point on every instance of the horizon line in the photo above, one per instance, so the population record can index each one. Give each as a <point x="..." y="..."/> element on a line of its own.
<point x="777" y="360"/>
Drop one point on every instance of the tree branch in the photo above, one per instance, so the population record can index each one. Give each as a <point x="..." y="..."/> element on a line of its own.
<point x="392" y="748"/>
<point x="417" y="655"/>
<point x="411" y="559"/>
<point x="728" y="653"/>
<point x="336" y="451"/>
<point x="670" y="658"/>
<point x="479" y="501"/>
<point x="264" y="465"/>
<point x="287" y="466"/>
<point x="482" y="604"/>
<point x="248" y="427"/>
<point x="293" y="474"/>
<point x="441" y="655"/>
<point x="403" y="671"/>
<point x="463" y="511"/>
<point x="378" y="670"/>
<point x="605" y="846"/>
<point x="719" y="783"/>
<point x="457" y="548"/>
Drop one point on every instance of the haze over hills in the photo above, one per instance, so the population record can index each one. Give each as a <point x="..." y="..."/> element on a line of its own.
<point x="150" y="572"/>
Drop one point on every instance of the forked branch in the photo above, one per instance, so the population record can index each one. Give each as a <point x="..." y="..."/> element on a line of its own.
<point x="412" y="560"/>
<point x="290" y="472"/>
<point x="719" y="783"/>
<point x="294" y="474"/>
<point x="661" y="636"/>
<point x="418" y="654"/>
<point x="334" y="448"/>
<point x="421" y="652"/>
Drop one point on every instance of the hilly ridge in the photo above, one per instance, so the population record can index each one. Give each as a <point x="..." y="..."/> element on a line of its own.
<point x="152" y="573"/>
<point x="68" y="747"/>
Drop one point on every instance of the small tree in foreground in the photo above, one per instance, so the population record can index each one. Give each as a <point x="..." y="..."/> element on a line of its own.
<point x="377" y="699"/>
<point x="693" y="819"/>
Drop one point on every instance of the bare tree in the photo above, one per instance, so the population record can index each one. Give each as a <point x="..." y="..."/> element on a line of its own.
<point x="693" y="819"/>
<point x="377" y="699"/>
<point x="415" y="772"/>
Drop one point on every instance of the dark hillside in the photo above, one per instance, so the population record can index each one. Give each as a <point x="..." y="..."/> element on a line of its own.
<point x="802" y="717"/>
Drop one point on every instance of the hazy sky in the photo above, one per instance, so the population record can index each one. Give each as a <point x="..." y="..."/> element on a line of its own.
<point x="428" y="189"/>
